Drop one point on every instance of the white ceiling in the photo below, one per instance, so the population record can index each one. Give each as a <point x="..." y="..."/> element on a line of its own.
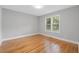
<point x="29" y="9"/>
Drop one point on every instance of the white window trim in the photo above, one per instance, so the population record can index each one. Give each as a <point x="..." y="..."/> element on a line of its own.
<point x="51" y="30"/>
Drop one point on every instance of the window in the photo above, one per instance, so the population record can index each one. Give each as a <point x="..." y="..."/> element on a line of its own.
<point x="48" y="24"/>
<point x="52" y="24"/>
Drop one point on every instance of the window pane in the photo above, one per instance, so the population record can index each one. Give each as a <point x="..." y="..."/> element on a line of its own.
<point x="55" y="27"/>
<point x="55" y="20"/>
<point x="48" y="21"/>
<point x="55" y="23"/>
<point x="48" y="27"/>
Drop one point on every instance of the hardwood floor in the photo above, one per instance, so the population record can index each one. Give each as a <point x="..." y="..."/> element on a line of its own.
<point x="36" y="44"/>
<point x="65" y="47"/>
<point x="78" y="48"/>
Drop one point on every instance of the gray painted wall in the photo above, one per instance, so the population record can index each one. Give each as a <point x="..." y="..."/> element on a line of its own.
<point x="16" y="24"/>
<point x="0" y="22"/>
<point x="69" y="24"/>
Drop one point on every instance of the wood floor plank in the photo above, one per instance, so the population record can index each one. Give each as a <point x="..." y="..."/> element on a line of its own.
<point x="35" y="44"/>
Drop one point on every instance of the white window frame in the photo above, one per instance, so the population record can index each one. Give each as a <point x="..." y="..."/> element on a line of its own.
<point x="51" y="30"/>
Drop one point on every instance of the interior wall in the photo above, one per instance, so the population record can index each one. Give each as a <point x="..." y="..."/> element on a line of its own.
<point x="69" y="24"/>
<point x="0" y="21"/>
<point x="17" y="24"/>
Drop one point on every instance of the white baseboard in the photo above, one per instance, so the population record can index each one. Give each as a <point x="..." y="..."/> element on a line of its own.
<point x="17" y="37"/>
<point x="41" y="34"/>
<point x="60" y="38"/>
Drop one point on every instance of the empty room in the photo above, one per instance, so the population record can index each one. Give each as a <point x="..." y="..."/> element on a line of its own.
<point x="39" y="28"/>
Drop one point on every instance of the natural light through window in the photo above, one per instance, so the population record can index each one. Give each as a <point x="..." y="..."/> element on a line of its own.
<point x="52" y="24"/>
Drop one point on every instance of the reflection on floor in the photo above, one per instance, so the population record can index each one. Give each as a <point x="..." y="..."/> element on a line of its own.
<point x="38" y="44"/>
